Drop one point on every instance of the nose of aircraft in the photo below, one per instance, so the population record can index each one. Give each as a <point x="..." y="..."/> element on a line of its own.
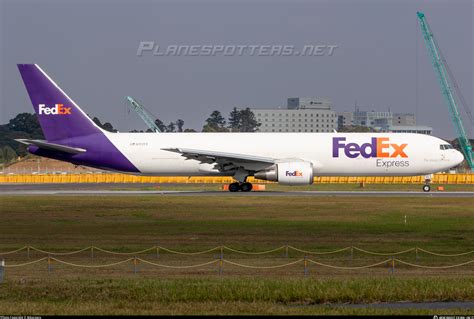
<point x="458" y="157"/>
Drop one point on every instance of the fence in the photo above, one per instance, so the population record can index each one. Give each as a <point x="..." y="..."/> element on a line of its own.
<point x="221" y="261"/>
<point x="222" y="249"/>
<point x="124" y="178"/>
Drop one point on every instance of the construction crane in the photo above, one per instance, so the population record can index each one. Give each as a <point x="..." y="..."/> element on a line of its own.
<point x="441" y="70"/>
<point x="146" y="116"/>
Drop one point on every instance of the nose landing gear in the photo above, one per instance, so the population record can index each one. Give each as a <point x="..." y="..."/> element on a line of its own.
<point x="426" y="187"/>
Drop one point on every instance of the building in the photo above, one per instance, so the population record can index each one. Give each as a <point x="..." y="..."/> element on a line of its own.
<point x="321" y="103"/>
<point x="383" y="121"/>
<point x="300" y="115"/>
<point x="371" y="118"/>
<point x="407" y="129"/>
<point x="345" y="119"/>
<point x="404" y="119"/>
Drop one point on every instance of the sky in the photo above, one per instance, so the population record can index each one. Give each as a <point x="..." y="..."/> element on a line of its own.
<point x="90" y="49"/>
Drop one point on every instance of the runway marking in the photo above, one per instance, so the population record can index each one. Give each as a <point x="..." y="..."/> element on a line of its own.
<point x="222" y="193"/>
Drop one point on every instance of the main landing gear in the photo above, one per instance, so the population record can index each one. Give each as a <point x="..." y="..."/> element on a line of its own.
<point x="244" y="187"/>
<point x="426" y="188"/>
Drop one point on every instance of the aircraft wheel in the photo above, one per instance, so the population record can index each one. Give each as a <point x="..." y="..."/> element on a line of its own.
<point x="246" y="187"/>
<point x="234" y="187"/>
<point x="426" y="188"/>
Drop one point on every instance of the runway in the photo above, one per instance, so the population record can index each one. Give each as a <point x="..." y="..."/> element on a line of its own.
<point x="114" y="190"/>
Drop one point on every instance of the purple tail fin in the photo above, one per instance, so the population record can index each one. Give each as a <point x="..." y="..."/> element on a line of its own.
<point x="59" y="117"/>
<point x="66" y="127"/>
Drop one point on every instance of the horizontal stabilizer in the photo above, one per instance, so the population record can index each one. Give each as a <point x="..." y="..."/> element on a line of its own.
<point x="52" y="147"/>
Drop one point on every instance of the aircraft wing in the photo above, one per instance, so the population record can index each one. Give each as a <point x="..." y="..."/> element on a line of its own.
<point x="225" y="161"/>
<point x="52" y="146"/>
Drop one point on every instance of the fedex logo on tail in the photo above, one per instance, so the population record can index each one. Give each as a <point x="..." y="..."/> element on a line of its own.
<point x="377" y="147"/>
<point x="294" y="173"/>
<point x="57" y="109"/>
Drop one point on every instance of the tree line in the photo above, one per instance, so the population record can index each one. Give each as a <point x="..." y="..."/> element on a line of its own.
<point x="26" y="126"/>
<point x="239" y="121"/>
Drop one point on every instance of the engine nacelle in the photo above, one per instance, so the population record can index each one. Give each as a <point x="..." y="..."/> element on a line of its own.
<point x="289" y="173"/>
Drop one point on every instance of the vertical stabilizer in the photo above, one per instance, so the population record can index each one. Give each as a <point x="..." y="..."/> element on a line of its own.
<point x="59" y="116"/>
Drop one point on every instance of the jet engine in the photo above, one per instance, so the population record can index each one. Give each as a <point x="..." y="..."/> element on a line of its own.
<point x="289" y="173"/>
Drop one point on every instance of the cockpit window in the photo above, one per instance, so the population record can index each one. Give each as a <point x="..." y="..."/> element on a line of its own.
<point x="446" y="147"/>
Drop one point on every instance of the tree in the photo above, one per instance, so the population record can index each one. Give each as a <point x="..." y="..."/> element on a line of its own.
<point x="171" y="127"/>
<point x="180" y="124"/>
<point x="189" y="130"/>
<point x="248" y="123"/>
<point x="106" y="126"/>
<point x="455" y="143"/>
<point x="243" y="120"/>
<point x="208" y="129"/>
<point x="7" y="154"/>
<point x="160" y="125"/>
<point x="28" y="123"/>
<point x="234" y="120"/>
<point x="23" y="125"/>
<point x="215" y="123"/>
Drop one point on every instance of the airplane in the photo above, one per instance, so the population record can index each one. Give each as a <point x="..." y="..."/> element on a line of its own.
<point x="286" y="158"/>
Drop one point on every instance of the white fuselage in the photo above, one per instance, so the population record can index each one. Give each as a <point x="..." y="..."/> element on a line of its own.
<point x="330" y="154"/>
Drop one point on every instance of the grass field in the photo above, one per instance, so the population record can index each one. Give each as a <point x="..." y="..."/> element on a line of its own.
<point x="187" y="224"/>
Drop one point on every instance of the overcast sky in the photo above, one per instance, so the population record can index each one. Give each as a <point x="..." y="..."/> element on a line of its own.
<point x="89" y="48"/>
